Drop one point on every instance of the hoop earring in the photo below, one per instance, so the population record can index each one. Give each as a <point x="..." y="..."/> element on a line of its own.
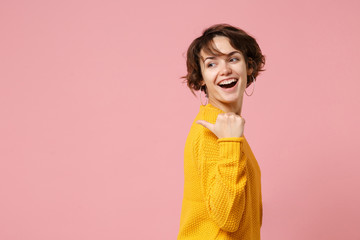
<point x="253" y="87"/>
<point x="202" y="87"/>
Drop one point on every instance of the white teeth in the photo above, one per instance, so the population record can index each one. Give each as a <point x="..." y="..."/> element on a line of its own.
<point x="228" y="81"/>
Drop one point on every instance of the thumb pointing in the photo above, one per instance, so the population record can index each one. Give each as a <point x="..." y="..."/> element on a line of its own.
<point x="206" y="124"/>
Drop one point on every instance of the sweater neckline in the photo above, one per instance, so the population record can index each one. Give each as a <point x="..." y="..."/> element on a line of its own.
<point x="211" y="107"/>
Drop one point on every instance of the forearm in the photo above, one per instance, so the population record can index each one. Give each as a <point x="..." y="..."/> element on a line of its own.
<point x="225" y="183"/>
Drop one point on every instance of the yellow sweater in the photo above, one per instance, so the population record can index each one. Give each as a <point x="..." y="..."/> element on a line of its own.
<point x="222" y="185"/>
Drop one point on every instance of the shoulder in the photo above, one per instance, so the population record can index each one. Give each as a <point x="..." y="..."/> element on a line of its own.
<point x="200" y="136"/>
<point x="197" y="131"/>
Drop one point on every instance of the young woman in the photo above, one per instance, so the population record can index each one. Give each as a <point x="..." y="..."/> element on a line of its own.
<point x="222" y="188"/>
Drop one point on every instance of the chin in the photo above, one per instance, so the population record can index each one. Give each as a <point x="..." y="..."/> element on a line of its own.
<point x="231" y="100"/>
<point x="234" y="98"/>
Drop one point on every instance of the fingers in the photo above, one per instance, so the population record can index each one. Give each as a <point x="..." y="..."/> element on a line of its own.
<point x="226" y="125"/>
<point x="229" y="117"/>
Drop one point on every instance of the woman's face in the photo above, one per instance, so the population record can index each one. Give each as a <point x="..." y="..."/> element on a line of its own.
<point x="225" y="76"/>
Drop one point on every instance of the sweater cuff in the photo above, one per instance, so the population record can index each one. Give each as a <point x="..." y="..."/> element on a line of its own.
<point x="230" y="148"/>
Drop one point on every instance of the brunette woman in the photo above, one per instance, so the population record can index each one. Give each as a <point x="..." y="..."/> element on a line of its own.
<point x="222" y="188"/>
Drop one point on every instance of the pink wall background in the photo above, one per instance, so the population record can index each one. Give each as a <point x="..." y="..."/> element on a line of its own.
<point x="94" y="116"/>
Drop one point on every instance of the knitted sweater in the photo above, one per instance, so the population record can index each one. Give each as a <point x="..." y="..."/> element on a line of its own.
<point x="222" y="185"/>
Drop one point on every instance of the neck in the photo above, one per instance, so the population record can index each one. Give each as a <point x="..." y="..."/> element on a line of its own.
<point x="234" y="107"/>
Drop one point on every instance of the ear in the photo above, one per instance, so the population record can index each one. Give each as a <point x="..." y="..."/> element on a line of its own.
<point x="205" y="89"/>
<point x="250" y="67"/>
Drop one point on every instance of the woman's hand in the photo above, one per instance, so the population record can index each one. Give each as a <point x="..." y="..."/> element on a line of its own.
<point x="226" y="125"/>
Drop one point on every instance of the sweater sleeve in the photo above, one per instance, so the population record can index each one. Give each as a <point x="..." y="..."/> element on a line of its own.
<point x="223" y="180"/>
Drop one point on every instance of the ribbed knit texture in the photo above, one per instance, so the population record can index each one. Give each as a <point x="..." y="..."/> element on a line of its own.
<point x="222" y="185"/>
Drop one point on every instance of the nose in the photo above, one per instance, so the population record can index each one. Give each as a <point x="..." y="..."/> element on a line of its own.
<point x="225" y="69"/>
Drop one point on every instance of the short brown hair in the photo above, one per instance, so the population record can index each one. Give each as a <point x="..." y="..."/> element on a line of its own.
<point x="239" y="40"/>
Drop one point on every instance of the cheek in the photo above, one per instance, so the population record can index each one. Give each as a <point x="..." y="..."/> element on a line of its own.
<point x="243" y="81"/>
<point x="208" y="76"/>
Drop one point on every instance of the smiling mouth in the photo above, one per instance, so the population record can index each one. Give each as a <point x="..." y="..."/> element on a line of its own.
<point x="228" y="83"/>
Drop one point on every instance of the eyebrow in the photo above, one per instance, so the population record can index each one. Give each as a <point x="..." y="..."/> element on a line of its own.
<point x="229" y="54"/>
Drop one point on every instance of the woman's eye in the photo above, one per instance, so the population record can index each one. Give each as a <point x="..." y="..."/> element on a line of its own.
<point x="211" y="65"/>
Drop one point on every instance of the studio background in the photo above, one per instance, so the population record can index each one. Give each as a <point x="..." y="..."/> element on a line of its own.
<point x="94" y="116"/>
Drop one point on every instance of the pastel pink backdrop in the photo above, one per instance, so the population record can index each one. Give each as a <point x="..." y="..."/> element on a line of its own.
<point x="94" y="116"/>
